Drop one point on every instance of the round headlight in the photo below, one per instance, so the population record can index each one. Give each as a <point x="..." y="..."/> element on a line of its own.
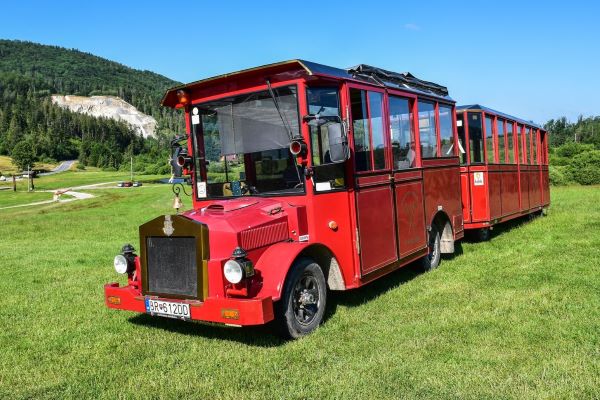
<point x="233" y="271"/>
<point x="121" y="264"/>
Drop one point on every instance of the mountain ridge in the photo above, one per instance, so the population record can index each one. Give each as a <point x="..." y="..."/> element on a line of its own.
<point x="30" y="73"/>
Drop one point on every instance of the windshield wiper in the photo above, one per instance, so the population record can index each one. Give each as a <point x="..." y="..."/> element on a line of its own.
<point x="285" y="124"/>
<point x="283" y="119"/>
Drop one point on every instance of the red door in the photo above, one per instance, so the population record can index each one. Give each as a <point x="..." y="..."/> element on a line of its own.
<point x="408" y="180"/>
<point x="377" y="242"/>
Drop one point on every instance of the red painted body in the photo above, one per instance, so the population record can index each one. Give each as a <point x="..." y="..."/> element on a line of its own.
<point x="379" y="222"/>
<point x="511" y="186"/>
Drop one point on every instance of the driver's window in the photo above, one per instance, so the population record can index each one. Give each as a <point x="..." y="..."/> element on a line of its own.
<point x="324" y="102"/>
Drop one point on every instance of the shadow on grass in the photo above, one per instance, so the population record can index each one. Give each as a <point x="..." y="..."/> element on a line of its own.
<point x="266" y="335"/>
<point x="259" y="336"/>
<point x="471" y="236"/>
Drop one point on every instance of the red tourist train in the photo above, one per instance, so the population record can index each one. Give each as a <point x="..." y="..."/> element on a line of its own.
<point x="504" y="167"/>
<point x="307" y="178"/>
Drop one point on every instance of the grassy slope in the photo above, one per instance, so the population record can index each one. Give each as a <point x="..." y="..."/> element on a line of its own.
<point x="518" y="317"/>
<point x="7" y="167"/>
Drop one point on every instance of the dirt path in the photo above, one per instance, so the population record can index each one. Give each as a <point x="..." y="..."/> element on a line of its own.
<point x="72" y="194"/>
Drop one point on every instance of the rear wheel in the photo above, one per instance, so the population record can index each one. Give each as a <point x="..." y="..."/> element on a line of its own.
<point x="432" y="259"/>
<point x="302" y="304"/>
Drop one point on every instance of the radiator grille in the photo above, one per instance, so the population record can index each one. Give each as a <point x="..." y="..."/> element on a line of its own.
<point x="264" y="235"/>
<point x="172" y="267"/>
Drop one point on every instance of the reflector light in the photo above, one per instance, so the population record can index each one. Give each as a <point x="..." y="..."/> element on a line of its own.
<point x="230" y="313"/>
<point x="182" y="97"/>
<point x="114" y="300"/>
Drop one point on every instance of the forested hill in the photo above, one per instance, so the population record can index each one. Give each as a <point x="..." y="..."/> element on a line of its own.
<point x="30" y="73"/>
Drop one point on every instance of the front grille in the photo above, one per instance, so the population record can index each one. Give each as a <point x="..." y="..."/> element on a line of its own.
<point x="172" y="266"/>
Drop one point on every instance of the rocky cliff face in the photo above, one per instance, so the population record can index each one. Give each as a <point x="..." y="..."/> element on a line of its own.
<point x="109" y="107"/>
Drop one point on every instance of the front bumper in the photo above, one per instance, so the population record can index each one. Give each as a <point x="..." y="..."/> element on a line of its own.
<point x="219" y="310"/>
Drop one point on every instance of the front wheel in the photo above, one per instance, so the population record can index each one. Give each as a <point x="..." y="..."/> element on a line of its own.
<point x="302" y="305"/>
<point x="432" y="259"/>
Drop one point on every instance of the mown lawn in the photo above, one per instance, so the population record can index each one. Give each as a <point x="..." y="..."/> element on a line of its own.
<point x="516" y="317"/>
<point x="69" y="179"/>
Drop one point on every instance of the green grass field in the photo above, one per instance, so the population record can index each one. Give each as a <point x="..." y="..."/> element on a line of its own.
<point x="69" y="179"/>
<point x="517" y="317"/>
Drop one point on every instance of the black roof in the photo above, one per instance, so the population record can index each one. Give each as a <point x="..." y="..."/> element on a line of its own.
<point x="363" y="73"/>
<point x="478" y="107"/>
<point x="381" y="77"/>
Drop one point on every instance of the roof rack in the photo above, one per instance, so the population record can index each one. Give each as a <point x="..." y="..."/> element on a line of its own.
<point x="381" y="76"/>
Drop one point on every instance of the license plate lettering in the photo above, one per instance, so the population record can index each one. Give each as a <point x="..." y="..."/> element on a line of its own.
<point x="168" y="308"/>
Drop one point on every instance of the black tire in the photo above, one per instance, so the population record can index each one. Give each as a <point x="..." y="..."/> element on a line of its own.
<point x="302" y="305"/>
<point x="432" y="259"/>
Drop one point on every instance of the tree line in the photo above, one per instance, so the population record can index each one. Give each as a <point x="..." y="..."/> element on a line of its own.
<point x="37" y="129"/>
<point x="574" y="150"/>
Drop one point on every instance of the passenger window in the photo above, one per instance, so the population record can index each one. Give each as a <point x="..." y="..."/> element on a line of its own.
<point x="476" y="137"/>
<point x="402" y="133"/>
<point x="489" y="140"/>
<point x="360" y="130"/>
<point x="526" y="145"/>
<point x="427" y="133"/>
<point x="534" y="154"/>
<point x="460" y="127"/>
<point x="510" y="142"/>
<point x="500" y="133"/>
<point x="326" y="175"/>
<point x="368" y="130"/>
<point x="376" y="116"/>
<point x="446" y="134"/>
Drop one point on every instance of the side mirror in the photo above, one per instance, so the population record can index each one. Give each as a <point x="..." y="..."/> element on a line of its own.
<point x="338" y="142"/>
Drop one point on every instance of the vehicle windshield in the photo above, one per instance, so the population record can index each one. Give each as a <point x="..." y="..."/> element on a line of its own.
<point x="241" y="145"/>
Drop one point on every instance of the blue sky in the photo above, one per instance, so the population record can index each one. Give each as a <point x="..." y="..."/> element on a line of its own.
<point x="537" y="61"/>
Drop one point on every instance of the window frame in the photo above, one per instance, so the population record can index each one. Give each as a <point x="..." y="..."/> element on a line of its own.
<point x="485" y="117"/>
<point x="436" y="126"/>
<point x="384" y="116"/>
<point x="412" y="104"/>
<point x="195" y="135"/>
<point x="453" y="130"/>
<point x="339" y="89"/>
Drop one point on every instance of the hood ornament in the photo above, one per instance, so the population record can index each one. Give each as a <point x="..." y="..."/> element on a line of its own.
<point x="168" y="226"/>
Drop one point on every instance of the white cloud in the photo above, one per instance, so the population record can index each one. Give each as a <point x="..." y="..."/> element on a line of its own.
<point x="412" y="27"/>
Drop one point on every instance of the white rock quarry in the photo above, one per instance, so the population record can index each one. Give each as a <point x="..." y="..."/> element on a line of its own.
<point x="109" y="107"/>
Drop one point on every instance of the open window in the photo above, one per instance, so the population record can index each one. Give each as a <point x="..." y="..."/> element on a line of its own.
<point x="324" y="103"/>
<point x="501" y="143"/>
<point x="368" y="132"/>
<point x="489" y="139"/>
<point x="526" y="145"/>
<point x="475" y="126"/>
<point x="510" y="149"/>
<point x="460" y="127"/>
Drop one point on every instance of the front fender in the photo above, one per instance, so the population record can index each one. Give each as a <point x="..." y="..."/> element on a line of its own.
<point x="274" y="265"/>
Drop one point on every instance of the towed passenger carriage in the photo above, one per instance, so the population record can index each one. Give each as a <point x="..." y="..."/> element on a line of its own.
<point x="305" y="178"/>
<point x="504" y="167"/>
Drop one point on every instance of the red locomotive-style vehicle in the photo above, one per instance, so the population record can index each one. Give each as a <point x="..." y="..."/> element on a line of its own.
<point x="504" y="167"/>
<point x="306" y="179"/>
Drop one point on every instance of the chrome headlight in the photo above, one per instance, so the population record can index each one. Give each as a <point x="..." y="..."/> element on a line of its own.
<point x="121" y="264"/>
<point x="233" y="271"/>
